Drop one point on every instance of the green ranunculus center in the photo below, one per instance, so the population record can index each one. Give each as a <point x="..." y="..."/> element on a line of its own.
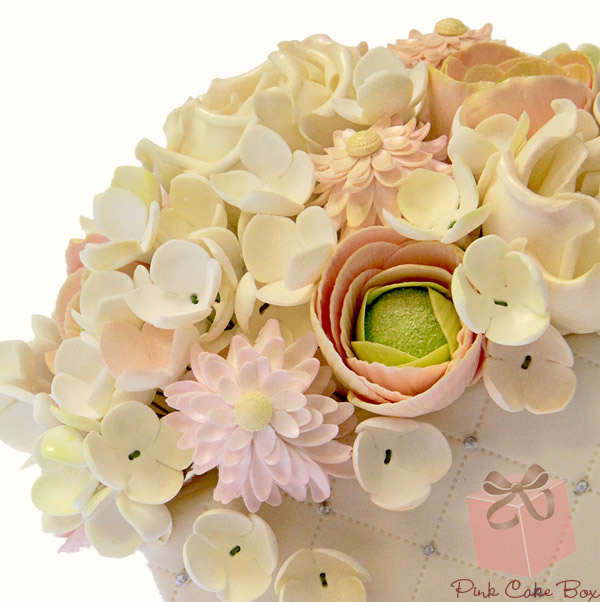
<point x="404" y="319"/>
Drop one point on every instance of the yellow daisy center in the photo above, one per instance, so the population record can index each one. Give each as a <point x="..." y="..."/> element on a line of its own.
<point x="253" y="411"/>
<point x="450" y="27"/>
<point x="362" y="144"/>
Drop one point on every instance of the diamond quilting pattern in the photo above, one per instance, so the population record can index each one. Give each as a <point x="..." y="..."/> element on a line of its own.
<point x="391" y="544"/>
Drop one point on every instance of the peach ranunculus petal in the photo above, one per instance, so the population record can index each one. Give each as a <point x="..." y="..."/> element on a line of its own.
<point x="375" y="257"/>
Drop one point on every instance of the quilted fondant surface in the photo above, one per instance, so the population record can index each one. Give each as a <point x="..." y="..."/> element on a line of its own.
<point x="391" y="544"/>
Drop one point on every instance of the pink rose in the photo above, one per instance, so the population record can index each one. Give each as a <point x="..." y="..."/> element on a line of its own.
<point x="378" y="257"/>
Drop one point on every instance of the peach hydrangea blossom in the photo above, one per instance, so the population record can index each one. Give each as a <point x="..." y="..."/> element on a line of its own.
<point x="449" y="36"/>
<point x="359" y="176"/>
<point x="264" y="417"/>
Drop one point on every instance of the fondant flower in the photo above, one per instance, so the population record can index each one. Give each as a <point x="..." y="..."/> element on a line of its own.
<point x="66" y="483"/>
<point x="102" y="300"/>
<point x="384" y="87"/>
<point x="263" y="417"/>
<point x="498" y="133"/>
<point x="127" y="215"/>
<point x="137" y="453"/>
<point x="375" y="258"/>
<point x="397" y="460"/>
<point x="231" y="554"/>
<point x="321" y="575"/>
<point x="117" y="526"/>
<point x="277" y="181"/>
<point x="192" y="205"/>
<point x="491" y="78"/>
<point x="24" y="380"/>
<point x="146" y="359"/>
<point x="82" y="385"/>
<point x="435" y="206"/>
<point x="180" y="288"/>
<point x="359" y="176"/>
<point x="76" y="246"/>
<point x="500" y="292"/>
<point x="449" y="36"/>
<point x="285" y="257"/>
<point x="537" y="377"/>
<point x="290" y="93"/>
<point x="537" y="205"/>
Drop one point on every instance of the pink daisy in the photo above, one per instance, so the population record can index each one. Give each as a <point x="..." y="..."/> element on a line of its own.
<point x="359" y="176"/>
<point x="264" y="417"/>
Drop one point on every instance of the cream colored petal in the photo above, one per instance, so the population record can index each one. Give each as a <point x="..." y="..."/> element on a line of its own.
<point x="111" y="534"/>
<point x="151" y="522"/>
<point x="306" y="267"/>
<point x="139" y="181"/>
<point x="525" y="282"/>
<point x="428" y="199"/>
<point x="561" y="126"/>
<point x="517" y="326"/>
<point x="298" y="182"/>
<point x="269" y="243"/>
<point x="315" y="228"/>
<point x="473" y="146"/>
<point x="233" y="186"/>
<point x="397" y="459"/>
<point x="375" y="60"/>
<point x="483" y="265"/>
<point x="473" y="308"/>
<point x="264" y="152"/>
<point x="384" y="93"/>
<point x="56" y="492"/>
<point x="267" y="201"/>
<point x="63" y="444"/>
<point x="245" y="299"/>
<point x="184" y="268"/>
<point x="110" y="255"/>
<point x="411" y="231"/>
<point x="276" y="293"/>
<point x="465" y="224"/>
<point x="120" y="215"/>
<point x="165" y="449"/>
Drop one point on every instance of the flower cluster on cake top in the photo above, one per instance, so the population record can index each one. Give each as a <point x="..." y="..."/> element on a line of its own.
<point x="341" y="228"/>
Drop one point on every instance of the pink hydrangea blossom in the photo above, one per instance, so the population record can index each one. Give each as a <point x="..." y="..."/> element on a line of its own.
<point x="264" y="417"/>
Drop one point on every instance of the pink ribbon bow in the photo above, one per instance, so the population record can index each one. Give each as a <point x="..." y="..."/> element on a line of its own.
<point x="497" y="485"/>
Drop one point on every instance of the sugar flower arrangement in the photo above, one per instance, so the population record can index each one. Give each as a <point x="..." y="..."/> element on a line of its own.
<point x="340" y="228"/>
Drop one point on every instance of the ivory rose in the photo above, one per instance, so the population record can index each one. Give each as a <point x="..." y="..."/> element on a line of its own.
<point x="493" y="78"/>
<point x="378" y="257"/>
<point x="553" y="214"/>
<point x="291" y="93"/>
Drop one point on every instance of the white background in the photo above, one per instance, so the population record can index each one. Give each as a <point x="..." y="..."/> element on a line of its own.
<point x="81" y="83"/>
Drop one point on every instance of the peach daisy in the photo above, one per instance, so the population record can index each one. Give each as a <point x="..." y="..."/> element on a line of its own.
<point x="359" y="176"/>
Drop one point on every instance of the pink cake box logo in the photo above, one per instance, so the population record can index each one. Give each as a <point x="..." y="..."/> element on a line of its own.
<point x="521" y="524"/>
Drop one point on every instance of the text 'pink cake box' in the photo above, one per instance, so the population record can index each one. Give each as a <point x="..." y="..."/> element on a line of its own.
<point x="530" y="545"/>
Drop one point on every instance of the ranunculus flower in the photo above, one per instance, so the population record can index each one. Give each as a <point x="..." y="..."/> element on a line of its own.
<point x="493" y="78"/>
<point x="378" y="257"/>
<point x="543" y="201"/>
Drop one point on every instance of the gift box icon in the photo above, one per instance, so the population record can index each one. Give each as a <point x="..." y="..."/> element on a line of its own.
<point x="521" y="524"/>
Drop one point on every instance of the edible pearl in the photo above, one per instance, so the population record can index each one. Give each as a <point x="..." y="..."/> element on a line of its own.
<point x="324" y="509"/>
<point x="429" y="550"/>
<point x="450" y="27"/>
<point x="470" y="443"/>
<point x="362" y="144"/>
<point x="181" y="579"/>
<point x="581" y="487"/>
